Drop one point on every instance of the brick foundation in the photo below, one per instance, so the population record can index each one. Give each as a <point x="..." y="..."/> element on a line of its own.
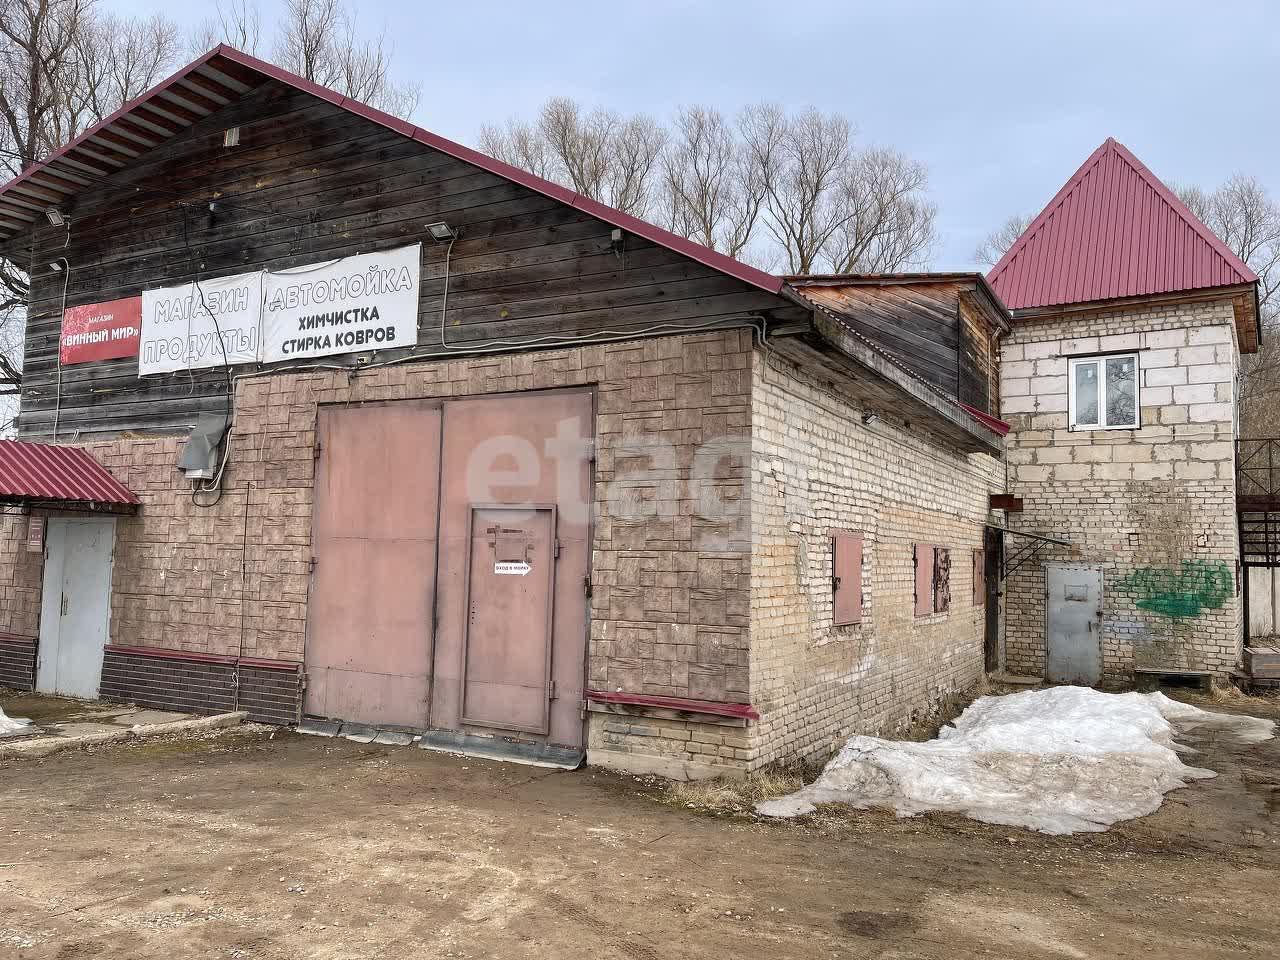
<point x="17" y="662"/>
<point x="167" y="681"/>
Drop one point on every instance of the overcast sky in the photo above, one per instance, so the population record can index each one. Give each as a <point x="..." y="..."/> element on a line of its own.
<point x="1002" y="100"/>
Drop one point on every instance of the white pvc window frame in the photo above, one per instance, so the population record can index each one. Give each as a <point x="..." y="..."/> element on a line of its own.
<point x="1101" y="365"/>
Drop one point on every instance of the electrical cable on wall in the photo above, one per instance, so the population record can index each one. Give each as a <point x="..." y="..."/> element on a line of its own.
<point x="57" y="402"/>
<point x="214" y="486"/>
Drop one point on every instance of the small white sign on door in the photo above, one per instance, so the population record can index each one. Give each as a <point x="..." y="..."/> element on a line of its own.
<point x="512" y="568"/>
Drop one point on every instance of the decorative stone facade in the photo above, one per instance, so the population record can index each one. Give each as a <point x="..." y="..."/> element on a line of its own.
<point x="1154" y="507"/>
<point x="718" y="476"/>
<point x="815" y="467"/>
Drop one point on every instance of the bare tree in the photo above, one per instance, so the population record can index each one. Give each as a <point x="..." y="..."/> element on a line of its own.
<point x="36" y="76"/>
<point x="782" y="191"/>
<point x="317" y="39"/>
<point x="885" y="222"/>
<point x="238" y="24"/>
<point x="708" y="190"/>
<point x="63" y="67"/>
<point x="599" y="154"/>
<point x="996" y="243"/>
<point x="834" y="207"/>
<point x="522" y="145"/>
<point x="1247" y="220"/>
<point x="801" y="163"/>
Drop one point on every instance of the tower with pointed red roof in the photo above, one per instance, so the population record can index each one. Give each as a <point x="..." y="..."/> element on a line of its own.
<point x="1119" y="382"/>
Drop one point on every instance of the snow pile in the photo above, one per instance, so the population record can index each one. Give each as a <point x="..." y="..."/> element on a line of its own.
<point x="1061" y="760"/>
<point x="8" y="726"/>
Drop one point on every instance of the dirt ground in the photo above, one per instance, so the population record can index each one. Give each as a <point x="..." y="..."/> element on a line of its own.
<point x="261" y="844"/>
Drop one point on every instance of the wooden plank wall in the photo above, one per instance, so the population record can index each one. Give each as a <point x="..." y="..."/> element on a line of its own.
<point x="979" y="356"/>
<point x="310" y="182"/>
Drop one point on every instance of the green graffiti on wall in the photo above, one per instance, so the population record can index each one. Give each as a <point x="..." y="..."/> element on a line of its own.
<point x="1198" y="585"/>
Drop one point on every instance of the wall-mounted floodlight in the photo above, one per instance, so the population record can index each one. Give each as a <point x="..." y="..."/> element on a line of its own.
<point x="56" y="266"/>
<point x="869" y="418"/>
<point x="55" y="216"/>
<point x="441" y="231"/>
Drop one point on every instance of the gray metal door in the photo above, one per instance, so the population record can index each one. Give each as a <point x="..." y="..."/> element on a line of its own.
<point x="76" y="605"/>
<point x="1073" y="624"/>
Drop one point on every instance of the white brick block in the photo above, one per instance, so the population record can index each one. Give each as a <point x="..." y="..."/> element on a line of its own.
<point x="1209" y="373"/>
<point x="1150" y="359"/>
<point x="1077" y="345"/>
<point x="1113" y="471"/>
<point x="1017" y="404"/>
<point x="1194" y="470"/>
<point x="1155" y="339"/>
<point x="1015" y="387"/>
<point x="1164" y="376"/>
<point x="1152" y="471"/>
<point x="1215" y="334"/>
<point x="1190" y="356"/>
<point x="1018" y="368"/>
<point x="1053" y="403"/>
<point x="1211" y="451"/>
<point x="1043" y="385"/>
<point x="1159" y="396"/>
<point x="1191" y="393"/>
<point x="1029" y="474"/>
<point x="1209" y="412"/>
<point x="1120" y="341"/>
<point x="1041" y="349"/>
<point x="1053" y="367"/>
<point x="1072" y="471"/>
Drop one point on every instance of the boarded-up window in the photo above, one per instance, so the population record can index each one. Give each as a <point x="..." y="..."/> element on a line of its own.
<point x="924" y="579"/>
<point x="846" y="578"/>
<point x="933" y="579"/>
<point x="979" y="578"/>
<point x="941" y="579"/>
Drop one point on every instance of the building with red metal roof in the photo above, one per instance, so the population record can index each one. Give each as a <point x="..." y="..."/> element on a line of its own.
<point x="1119" y="382"/>
<point x="422" y="441"/>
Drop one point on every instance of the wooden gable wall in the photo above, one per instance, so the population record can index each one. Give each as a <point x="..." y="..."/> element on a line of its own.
<point x="310" y="182"/>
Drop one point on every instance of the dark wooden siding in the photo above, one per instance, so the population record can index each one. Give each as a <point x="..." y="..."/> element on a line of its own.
<point x="941" y="330"/>
<point x="311" y="182"/>
<point x="979" y="357"/>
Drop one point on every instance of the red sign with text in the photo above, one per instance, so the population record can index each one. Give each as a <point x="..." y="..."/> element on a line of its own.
<point x="101" y="331"/>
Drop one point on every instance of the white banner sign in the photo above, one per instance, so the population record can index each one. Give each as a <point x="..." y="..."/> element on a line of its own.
<point x="366" y="302"/>
<point x="179" y="331"/>
<point x="369" y="302"/>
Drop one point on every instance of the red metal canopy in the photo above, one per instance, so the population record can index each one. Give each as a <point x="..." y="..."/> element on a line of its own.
<point x="1113" y="231"/>
<point x="47" y="474"/>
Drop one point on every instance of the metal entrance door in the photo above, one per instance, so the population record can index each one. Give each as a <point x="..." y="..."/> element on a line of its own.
<point x="1073" y="624"/>
<point x="511" y="646"/>
<point x="506" y="657"/>
<point x="76" y="605"/>
<point x="369" y="633"/>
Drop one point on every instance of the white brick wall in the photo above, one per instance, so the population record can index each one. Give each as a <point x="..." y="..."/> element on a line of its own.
<point x="815" y="467"/>
<point x="1151" y="506"/>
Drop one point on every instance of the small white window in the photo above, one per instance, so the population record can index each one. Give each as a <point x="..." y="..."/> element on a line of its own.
<point x="1103" y="392"/>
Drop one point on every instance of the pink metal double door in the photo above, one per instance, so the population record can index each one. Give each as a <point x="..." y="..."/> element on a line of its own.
<point x="451" y="544"/>
<point x="373" y="537"/>
<point x="514" y="521"/>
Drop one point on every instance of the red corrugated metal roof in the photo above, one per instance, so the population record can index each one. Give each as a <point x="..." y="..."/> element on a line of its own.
<point x="47" y="472"/>
<point x="224" y="74"/>
<point x="1114" y="230"/>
